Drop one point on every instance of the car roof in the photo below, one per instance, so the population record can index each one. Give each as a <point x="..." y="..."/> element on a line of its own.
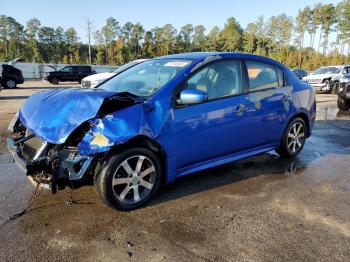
<point x="78" y="65"/>
<point x="203" y="55"/>
<point x="334" y="66"/>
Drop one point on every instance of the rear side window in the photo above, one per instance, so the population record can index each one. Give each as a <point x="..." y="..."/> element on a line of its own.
<point x="262" y="76"/>
<point x="76" y="69"/>
<point x="346" y="70"/>
<point x="86" y="69"/>
<point x="219" y="79"/>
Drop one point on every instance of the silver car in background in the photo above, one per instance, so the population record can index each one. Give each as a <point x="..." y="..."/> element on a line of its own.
<point x="326" y="78"/>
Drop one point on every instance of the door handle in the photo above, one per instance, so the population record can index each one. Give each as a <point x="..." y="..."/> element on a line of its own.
<point x="240" y="108"/>
<point x="285" y="97"/>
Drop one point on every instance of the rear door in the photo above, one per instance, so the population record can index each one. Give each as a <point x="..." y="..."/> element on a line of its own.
<point x="268" y="102"/>
<point x="76" y="74"/>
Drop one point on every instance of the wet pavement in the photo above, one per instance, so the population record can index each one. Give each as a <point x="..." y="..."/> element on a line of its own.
<point x="258" y="209"/>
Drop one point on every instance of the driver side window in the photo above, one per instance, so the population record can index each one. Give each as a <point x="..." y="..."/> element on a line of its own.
<point x="218" y="80"/>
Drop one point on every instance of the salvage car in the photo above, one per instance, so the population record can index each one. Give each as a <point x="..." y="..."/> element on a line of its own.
<point x="96" y="79"/>
<point x="11" y="76"/>
<point x="162" y="119"/>
<point x="325" y="78"/>
<point x="74" y="73"/>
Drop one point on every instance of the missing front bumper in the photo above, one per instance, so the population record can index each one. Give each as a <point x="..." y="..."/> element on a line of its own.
<point x="56" y="169"/>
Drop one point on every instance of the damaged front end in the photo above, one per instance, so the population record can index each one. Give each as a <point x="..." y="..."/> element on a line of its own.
<point x="48" y="150"/>
<point x="53" y="165"/>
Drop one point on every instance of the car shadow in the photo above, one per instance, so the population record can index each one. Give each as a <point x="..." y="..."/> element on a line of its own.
<point x="329" y="137"/>
<point x="267" y="164"/>
<point x="13" y="97"/>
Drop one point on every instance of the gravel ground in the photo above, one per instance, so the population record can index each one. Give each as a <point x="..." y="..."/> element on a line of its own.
<point x="259" y="209"/>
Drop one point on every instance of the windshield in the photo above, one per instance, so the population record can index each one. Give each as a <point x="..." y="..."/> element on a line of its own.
<point x="146" y="78"/>
<point x="328" y="70"/>
<point x="128" y="65"/>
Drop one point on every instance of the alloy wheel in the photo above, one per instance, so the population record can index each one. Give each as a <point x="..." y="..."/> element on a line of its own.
<point x="10" y="83"/>
<point x="296" y="137"/>
<point x="134" y="179"/>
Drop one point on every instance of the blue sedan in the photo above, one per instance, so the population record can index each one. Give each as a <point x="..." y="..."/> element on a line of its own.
<point x="162" y="119"/>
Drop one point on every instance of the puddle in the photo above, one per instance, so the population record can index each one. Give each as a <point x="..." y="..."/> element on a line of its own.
<point x="15" y="188"/>
<point x="333" y="113"/>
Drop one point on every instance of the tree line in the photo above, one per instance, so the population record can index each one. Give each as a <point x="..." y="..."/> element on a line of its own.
<point x="281" y="37"/>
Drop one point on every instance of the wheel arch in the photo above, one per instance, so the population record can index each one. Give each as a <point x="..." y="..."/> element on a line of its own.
<point x="145" y="142"/>
<point x="306" y="119"/>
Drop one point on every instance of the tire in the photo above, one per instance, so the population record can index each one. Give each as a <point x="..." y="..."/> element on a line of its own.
<point x="54" y="81"/>
<point x="293" y="139"/>
<point x="343" y="104"/>
<point x="126" y="170"/>
<point x="335" y="88"/>
<point x="10" y="83"/>
<point x="328" y="88"/>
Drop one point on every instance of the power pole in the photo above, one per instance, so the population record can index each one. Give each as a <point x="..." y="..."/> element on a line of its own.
<point x="88" y="28"/>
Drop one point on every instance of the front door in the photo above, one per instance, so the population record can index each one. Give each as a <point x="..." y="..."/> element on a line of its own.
<point x="217" y="127"/>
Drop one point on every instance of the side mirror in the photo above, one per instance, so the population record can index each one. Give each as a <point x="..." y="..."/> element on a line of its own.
<point x="192" y="96"/>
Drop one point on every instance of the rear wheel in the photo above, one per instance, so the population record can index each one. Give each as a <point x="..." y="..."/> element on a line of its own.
<point x="130" y="179"/>
<point x="294" y="138"/>
<point x="343" y="104"/>
<point x="54" y="81"/>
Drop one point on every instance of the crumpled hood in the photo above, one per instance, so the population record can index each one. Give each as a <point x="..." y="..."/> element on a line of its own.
<point x="53" y="115"/>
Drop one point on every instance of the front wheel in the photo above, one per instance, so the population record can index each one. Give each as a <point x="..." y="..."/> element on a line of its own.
<point x="294" y="138"/>
<point x="335" y="88"/>
<point x="129" y="179"/>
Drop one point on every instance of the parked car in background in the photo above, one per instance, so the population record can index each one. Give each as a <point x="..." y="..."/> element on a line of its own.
<point x="96" y="79"/>
<point x="300" y="73"/>
<point x="343" y="92"/>
<point x="11" y="76"/>
<point x="153" y="121"/>
<point x="74" y="73"/>
<point x="325" y="78"/>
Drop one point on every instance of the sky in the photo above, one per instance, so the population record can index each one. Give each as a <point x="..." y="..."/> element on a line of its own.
<point x="150" y="13"/>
